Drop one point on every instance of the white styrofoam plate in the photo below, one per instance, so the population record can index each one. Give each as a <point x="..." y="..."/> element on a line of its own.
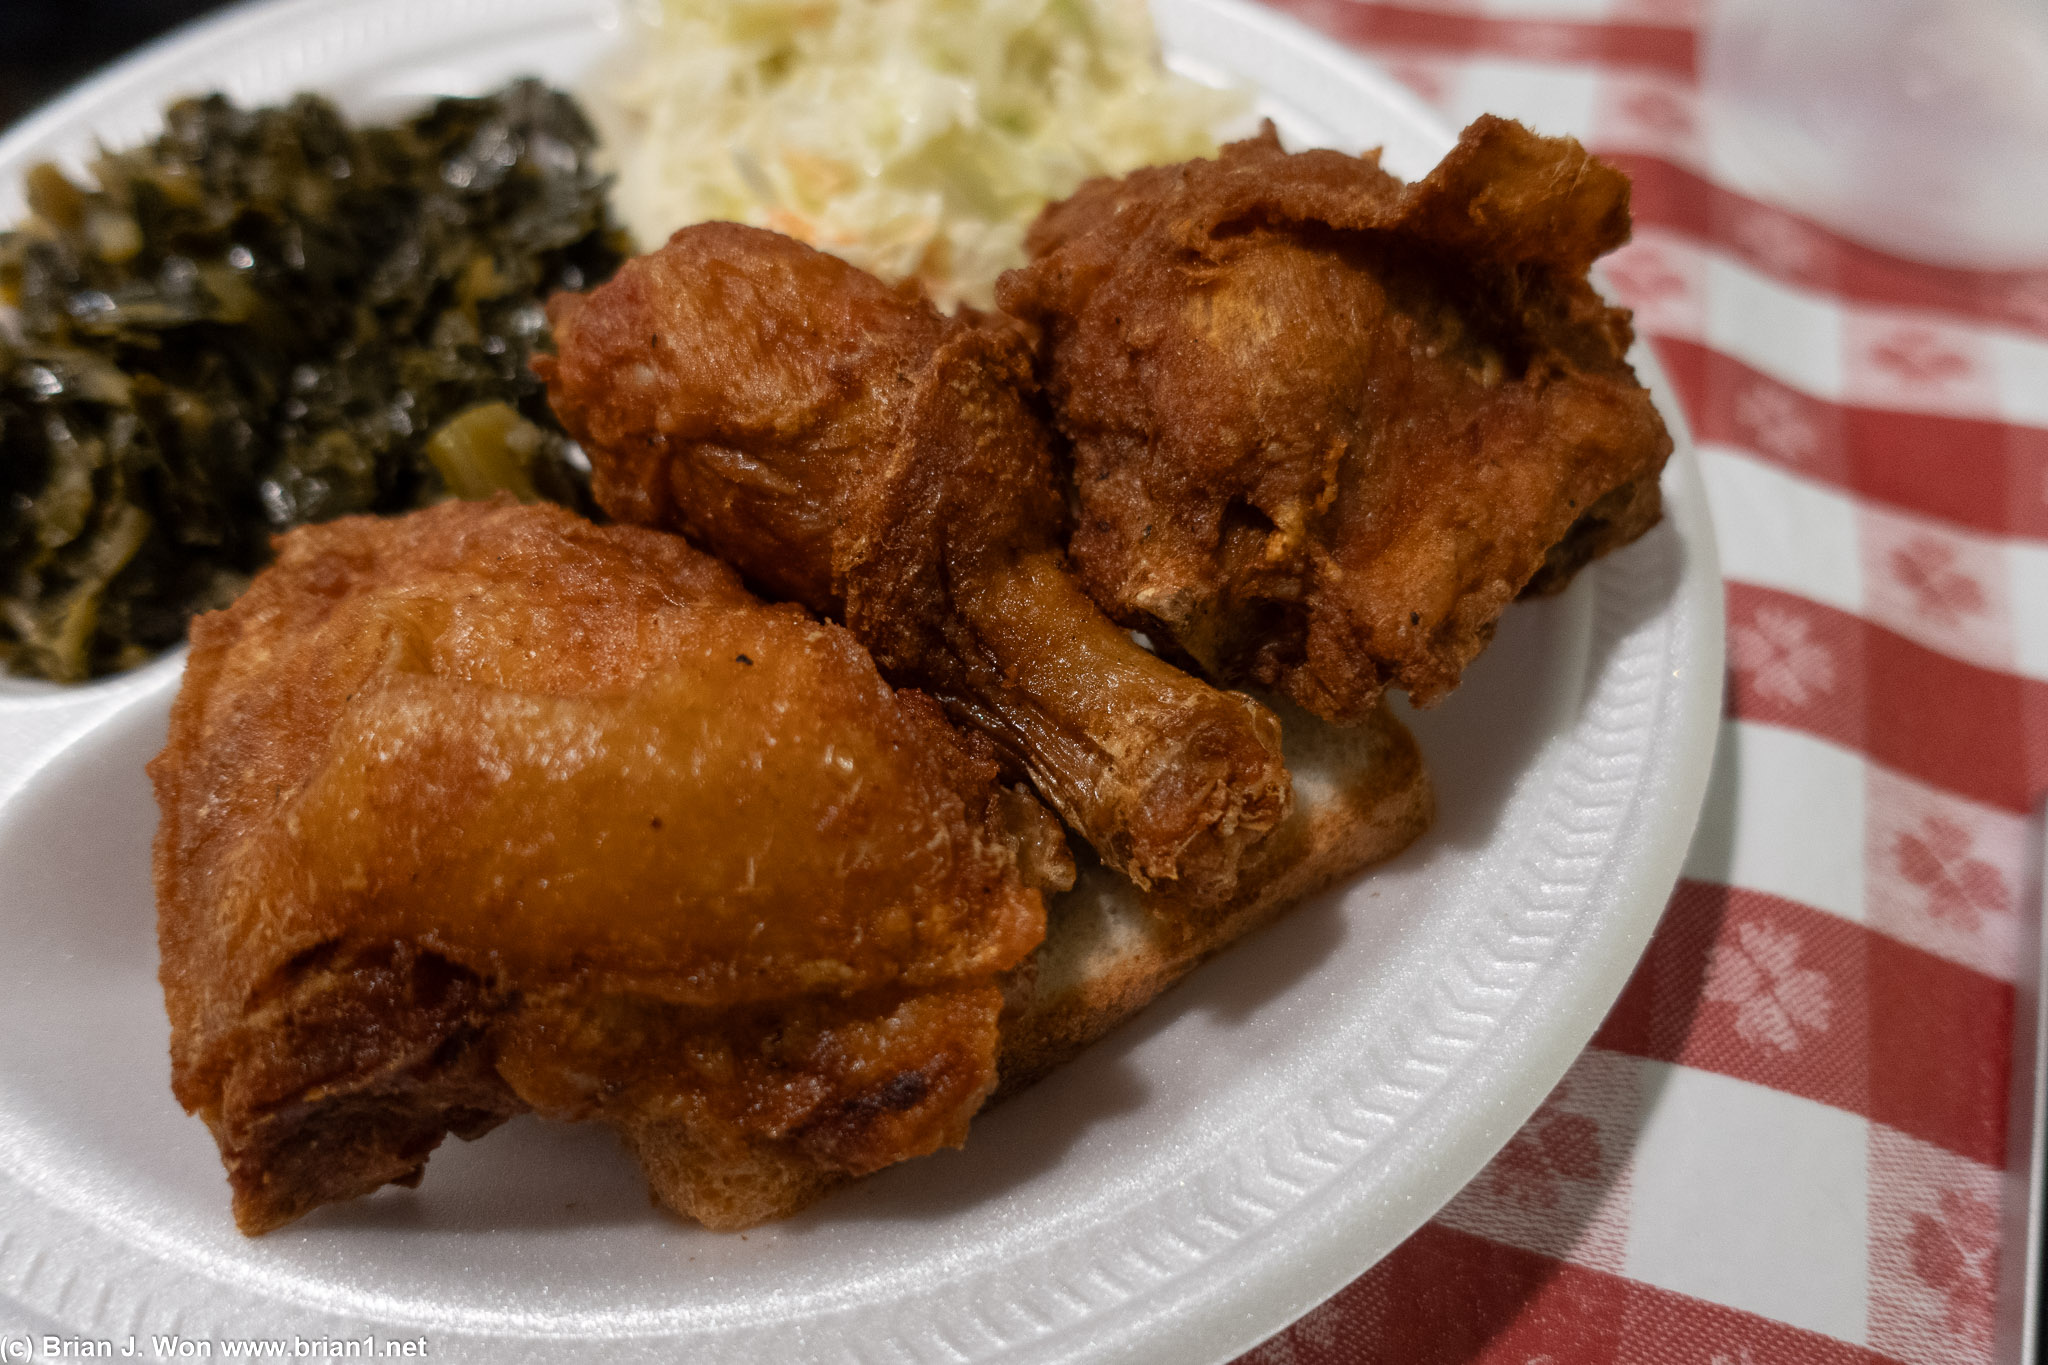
<point x="1191" y="1185"/>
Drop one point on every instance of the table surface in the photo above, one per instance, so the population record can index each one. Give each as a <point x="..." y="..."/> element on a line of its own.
<point x="1787" y="1143"/>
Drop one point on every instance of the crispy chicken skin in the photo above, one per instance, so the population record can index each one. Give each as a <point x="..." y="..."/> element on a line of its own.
<point x="485" y="809"/>
<point x="843" y="444"/>
<point x="1326" y="426"/>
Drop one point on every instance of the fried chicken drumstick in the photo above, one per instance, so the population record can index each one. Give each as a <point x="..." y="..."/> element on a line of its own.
<point x="485" y="809"/>
<point x="844" y="445"/>
<point x="1327" y="426"/>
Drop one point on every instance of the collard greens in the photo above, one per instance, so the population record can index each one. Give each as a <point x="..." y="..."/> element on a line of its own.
<point x="265" y="318"/>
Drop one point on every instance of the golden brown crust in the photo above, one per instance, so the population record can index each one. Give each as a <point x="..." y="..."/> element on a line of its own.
<point x="373" y="1055"/>
<point x="841" y="443"/>
<point x="485" y="809"/>
<point x="1327" y="426"/>
<point x="334" y="1017"/>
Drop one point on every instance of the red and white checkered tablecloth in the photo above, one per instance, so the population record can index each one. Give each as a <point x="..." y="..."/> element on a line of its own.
<point x="1788" y="1141"/>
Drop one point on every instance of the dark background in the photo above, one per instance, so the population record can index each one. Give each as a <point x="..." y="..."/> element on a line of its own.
<point x="49" y="44"/>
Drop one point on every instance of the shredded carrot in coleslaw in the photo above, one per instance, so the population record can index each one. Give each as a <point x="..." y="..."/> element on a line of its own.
<point x="913" y="137"/>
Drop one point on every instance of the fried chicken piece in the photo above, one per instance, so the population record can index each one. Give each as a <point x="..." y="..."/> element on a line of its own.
<point x="1327" y="426"/>
<point x="843" y="444"/>
<point x="486" y="809"/>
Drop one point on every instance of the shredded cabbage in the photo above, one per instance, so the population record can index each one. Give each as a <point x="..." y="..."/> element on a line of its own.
<point x="911" y="137"/>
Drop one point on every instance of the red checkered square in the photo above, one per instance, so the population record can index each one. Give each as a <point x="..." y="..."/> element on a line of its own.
<point x="1934" y="1252"/>
<point x="1938" y="585"/>
<point x="1649" y="113"/>
<point x="1894" y="359"/>
<point x="1561" y="1185"/>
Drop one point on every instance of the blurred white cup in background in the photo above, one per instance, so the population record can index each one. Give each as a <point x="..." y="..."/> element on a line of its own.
<point x="1916" y="126"/>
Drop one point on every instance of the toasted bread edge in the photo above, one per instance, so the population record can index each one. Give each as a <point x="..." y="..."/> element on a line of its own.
<point x="1361" y="796"/>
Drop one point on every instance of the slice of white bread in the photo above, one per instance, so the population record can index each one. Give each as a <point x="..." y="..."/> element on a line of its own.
<point x="1361" y="795"/>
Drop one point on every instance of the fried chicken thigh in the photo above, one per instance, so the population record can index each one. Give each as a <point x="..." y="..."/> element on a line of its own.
<point x="1327" y="426"/>
<point x="844" y="445"/>
<point x="485" y="810"/>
